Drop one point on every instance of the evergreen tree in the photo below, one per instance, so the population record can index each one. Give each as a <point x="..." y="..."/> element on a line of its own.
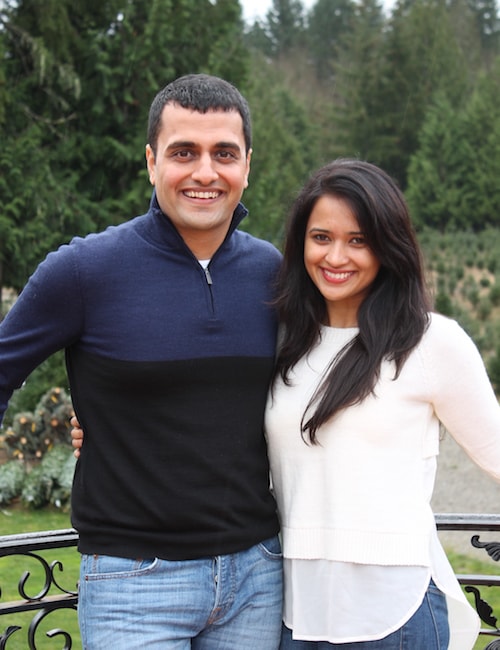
<point x="358" y="123"/>
<point x="453" y="177"/>
<point x="328" y="22"/>
<point x="258" y="38"/>
<point x="437" y="170"/>
<point x="487" y="19"/>
<point x="79" y="78"/>
<point x="37" y="210"/>
<point x="284" y="152"/>
<point x="422" y="56"/>
<point x="285" y="26"/>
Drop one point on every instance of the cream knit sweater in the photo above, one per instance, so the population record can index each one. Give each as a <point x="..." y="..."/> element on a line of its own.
<point x="363" y="494"/>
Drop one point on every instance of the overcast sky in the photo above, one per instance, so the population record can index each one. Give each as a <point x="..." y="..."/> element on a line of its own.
<point x="253" y="9"/>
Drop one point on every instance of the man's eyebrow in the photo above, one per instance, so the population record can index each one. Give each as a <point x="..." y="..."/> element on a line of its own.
<point x="181" y="143"/>
<point x="189" y="144"/>
<point x="228" y="145"/>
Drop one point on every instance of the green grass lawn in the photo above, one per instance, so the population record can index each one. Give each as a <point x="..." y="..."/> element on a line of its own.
<point x="18" y="520"/>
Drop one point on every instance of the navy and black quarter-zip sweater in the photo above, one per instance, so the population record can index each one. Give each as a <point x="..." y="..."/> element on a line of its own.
<point x="169" y="368"/>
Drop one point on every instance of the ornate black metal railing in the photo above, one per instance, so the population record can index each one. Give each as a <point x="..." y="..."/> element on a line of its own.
<point x="53" y="597"/>
<point x="471" y="583"/>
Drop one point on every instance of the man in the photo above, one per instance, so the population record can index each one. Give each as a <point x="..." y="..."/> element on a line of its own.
<point x="169" y="338"/>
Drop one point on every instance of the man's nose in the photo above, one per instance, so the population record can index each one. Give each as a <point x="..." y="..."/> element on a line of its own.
<point x="205" y="171"/>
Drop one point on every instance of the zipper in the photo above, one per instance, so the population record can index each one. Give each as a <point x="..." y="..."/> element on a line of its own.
<point x="208" y="277"/>
<point x="209" y="280"/>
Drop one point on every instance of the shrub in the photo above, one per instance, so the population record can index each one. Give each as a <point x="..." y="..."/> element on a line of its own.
<point x="484" y="308"/>
<point x="473" y="296"/>
<point x="494" y="369"/>
<point x="33" y="434"/>
<point x="50" y="482"/>
<point x="42" y="463"/>
<point x="495" y="294"/>
<point x="443" y="304"/>
<point x="12" y="475"/>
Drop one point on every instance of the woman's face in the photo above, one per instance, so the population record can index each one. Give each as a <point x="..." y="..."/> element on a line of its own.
<point x="337" y="259"/>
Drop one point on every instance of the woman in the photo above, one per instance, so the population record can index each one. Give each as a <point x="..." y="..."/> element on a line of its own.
<point x="365" y="374"/>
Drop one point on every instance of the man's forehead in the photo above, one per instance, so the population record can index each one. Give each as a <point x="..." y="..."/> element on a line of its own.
<point x="214" y="129"/>
<point x="176" y="112"/>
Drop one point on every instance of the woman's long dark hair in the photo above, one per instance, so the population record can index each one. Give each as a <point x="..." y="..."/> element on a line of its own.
<point x="393" y="316"/>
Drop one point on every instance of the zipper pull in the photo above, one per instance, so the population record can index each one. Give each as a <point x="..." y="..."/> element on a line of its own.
<point x="208" y="276"/>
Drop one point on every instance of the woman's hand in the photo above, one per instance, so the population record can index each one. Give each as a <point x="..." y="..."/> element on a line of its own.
<point x="76" y="436"/>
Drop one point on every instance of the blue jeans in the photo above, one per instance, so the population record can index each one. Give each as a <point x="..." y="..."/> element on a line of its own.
<point x="427" y="629"/>
<point x="216" y="603"/>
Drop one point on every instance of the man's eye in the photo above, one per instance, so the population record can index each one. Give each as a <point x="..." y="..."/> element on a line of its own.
<point x="183" y="153"/>
<point x="225" y="155"/>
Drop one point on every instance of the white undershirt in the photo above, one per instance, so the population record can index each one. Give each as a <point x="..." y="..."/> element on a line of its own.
<point x="340" y="602"/>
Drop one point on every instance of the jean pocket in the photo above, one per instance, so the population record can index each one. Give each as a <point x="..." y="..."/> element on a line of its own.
<point x="271" y="548"/>
<point x="107" y="567"/>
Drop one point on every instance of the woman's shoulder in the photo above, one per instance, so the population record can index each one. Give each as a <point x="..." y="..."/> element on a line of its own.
<point x="441" y="325"/>
<point x="446" y="334"/>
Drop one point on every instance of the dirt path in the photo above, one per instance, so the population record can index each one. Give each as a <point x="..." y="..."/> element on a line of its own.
<point x="462" y="487"/>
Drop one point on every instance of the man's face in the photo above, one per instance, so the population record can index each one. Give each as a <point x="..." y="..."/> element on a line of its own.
<point x="200" y="170"/>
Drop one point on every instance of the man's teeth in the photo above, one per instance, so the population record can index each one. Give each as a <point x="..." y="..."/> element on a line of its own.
<point x="202" y="195"/>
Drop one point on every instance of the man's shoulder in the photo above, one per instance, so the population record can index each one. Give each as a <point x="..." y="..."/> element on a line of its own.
<point x="111" y="235"/>
<point x="94" y="251"/>
<point x="257" y="246"/>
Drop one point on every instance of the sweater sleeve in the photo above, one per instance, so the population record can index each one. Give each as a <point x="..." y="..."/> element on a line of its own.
<point x="46" y="317"/>
<point x="462" y="395"/>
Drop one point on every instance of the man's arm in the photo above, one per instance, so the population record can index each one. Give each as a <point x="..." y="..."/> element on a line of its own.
<point x="46" y="317"/>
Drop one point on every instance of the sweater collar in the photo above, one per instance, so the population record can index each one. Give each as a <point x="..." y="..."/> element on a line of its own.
<point x="168" y="233"/>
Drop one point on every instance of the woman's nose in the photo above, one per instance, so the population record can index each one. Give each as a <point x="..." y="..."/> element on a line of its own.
<point x="337" y="254"/>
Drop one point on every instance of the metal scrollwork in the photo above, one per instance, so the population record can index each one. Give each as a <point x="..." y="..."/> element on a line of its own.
<point x="52" y="596"/>
<point x="50" y="578"/>
<point x="494" y="645"/>
<point x="482" y="607"/>
<point x="33" y="629"/>
<point x="492" y="548"/>
<point x="27" y="574"/>
<point x="8" y="632"/>
<point x="56" y="564"/>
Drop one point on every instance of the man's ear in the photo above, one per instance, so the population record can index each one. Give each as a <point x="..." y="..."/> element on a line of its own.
<point x="249" y="157"/>
<point x="150" y="160"/>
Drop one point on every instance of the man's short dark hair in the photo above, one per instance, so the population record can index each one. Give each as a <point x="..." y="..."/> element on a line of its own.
<point x="201" y="93"/>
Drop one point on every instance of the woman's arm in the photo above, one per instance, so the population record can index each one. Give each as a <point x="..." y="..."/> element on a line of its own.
<point x="76" y="436"/>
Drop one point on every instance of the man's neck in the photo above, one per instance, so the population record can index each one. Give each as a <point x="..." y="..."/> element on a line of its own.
<point x="203" y="244"/>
